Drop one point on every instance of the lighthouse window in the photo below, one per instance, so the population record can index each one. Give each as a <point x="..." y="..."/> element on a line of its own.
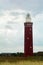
<point x="30" y="29"/>
<point x="30" y="46"/>
<point x="27" y="37"/>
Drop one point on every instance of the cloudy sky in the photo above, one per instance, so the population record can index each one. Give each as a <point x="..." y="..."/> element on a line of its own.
<point x="12" y="18"/>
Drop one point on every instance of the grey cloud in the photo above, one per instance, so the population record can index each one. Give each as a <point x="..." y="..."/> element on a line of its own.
<point x="33" y="5"/>
<point x="13" y="43"/>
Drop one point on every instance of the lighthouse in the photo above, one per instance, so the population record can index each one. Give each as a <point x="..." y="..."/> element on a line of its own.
<point x="28" y="37"/>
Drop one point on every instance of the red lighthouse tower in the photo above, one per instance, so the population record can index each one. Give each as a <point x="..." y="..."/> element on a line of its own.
<point x="28" y="37"/>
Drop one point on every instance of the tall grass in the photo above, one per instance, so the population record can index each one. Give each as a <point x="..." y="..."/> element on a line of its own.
<point x="22" y="63"/>
<point x="35" y="60"/>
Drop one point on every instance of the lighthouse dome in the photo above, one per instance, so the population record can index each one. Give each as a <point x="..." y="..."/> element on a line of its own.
<point x="28" y="18"/>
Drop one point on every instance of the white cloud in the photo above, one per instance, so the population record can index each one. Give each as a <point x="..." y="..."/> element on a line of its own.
<point x="38" y="48"/>
<point x="12" y="30"/>
<point x="38" y="32"/>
